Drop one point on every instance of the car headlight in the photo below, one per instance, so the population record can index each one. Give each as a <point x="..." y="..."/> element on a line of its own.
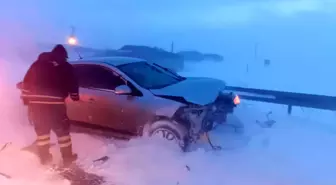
<point x="229" y="98"/>
<point x="236" y="100"/>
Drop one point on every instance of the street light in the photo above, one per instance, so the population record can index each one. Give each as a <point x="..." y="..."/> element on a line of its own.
<point x="72" y="40"/>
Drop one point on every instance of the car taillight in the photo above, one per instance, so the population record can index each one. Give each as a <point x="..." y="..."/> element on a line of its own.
<point x="236" y="100"/>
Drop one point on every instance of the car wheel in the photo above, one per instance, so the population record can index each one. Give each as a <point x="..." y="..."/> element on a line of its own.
<point x="169" y="131"/>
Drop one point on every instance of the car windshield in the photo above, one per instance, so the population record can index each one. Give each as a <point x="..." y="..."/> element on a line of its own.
<point x="149" y="76"/>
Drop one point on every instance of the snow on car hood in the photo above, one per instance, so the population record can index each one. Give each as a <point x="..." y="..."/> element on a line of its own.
<point x="197" y="90"/>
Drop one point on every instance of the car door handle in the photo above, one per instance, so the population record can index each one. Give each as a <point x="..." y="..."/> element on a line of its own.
<point x="91" y="100"/>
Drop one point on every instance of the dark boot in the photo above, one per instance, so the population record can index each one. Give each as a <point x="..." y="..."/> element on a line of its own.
<point x="69" y="160"/>
<point x="46" y="160"/>
<point x="68" y="156"/>
<point x="44" y="155"/>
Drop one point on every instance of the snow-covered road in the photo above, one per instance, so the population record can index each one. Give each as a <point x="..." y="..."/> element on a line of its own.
<point x="297" y="150"/>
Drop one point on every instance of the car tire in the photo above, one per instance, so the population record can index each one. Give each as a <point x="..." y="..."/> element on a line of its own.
<point x="168" y="130"/>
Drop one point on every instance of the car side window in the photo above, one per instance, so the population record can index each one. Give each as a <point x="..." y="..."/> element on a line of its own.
<point x="81" y="72"/>
<point x="95" y="76"/>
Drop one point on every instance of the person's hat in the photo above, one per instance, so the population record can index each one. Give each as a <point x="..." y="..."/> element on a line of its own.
<point x="60" y="51"/>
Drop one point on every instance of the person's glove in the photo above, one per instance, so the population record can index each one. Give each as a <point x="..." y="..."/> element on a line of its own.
<point x="74" y="96"/>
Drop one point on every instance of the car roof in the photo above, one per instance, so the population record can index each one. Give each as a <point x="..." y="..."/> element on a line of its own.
<point x="115" y="61"/>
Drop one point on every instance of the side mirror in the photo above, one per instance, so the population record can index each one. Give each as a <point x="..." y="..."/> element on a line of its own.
<point x="123" y="90"/>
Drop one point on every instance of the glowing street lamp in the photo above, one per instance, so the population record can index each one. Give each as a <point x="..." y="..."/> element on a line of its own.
<point x="72" y="40"/>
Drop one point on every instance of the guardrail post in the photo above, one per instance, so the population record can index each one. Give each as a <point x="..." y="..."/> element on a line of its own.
<point x="289" y="109"/>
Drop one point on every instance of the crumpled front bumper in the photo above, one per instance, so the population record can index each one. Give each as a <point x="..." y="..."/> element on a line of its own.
<point x="201" y="119"/>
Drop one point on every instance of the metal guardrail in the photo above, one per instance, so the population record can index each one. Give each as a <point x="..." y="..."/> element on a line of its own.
<point x="286" y="98"/>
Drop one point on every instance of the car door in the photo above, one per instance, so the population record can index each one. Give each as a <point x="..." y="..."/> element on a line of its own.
<point x="80" y="110"/>
<point x="104" y="105"/>
<point x="123" y="112"/>
<point x="135" y="112"/>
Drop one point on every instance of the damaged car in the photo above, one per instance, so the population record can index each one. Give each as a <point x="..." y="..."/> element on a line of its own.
<point x="142" y="98"/>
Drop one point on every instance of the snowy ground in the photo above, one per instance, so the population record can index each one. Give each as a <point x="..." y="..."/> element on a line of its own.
<point x="297" y="150"/>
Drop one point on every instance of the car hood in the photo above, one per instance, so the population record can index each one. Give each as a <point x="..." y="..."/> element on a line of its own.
<point x="197" y="90"/>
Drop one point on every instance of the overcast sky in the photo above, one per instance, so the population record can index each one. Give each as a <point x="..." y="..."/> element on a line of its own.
<point x="224" y="26"/>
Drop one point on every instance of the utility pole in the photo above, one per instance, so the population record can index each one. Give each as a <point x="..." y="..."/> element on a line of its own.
<point x="172" y="47"/>
<point x="72" y="31"/>
<point x="256" y="45"/>
<point x="72" y="40"/>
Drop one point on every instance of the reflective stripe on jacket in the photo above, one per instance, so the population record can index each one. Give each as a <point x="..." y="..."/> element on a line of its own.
<point x="42" y="99"/>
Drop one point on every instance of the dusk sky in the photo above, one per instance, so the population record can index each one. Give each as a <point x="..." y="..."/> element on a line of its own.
<point x="224" y="26"/>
